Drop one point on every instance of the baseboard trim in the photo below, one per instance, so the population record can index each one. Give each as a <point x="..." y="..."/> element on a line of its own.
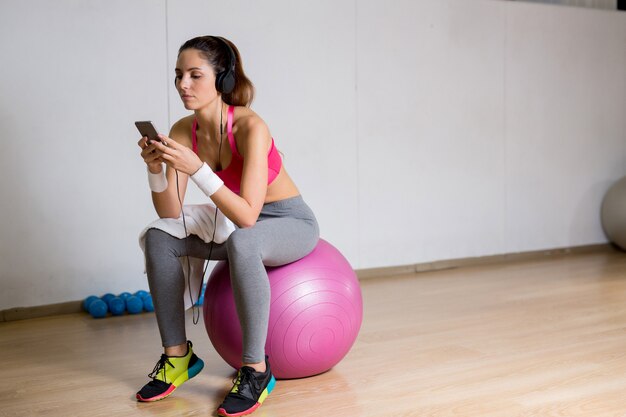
<point x="70" y="307"/>
<point x="25" y="313"/>
<point x="482" y="260"/>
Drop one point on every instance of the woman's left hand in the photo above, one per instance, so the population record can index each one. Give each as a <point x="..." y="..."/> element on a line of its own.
<point x="178" y="156"/>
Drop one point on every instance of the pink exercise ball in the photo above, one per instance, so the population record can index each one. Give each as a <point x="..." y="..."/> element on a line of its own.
<point x="316" y="312"/>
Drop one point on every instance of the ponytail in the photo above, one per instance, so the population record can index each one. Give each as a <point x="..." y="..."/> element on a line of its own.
<point x="243" y="94"/>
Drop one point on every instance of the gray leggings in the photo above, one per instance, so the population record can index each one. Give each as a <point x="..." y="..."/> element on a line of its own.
<point x="285" y="232"/>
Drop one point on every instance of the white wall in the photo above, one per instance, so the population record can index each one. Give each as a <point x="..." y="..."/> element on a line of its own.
<point x="565" y="130"/>
<point x="505" y="120"/>
<point x="74" y="76"/>
<point x="430" y="82"/>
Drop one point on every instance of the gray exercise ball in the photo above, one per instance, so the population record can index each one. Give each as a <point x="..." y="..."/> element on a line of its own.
<point x="613" y="213"/>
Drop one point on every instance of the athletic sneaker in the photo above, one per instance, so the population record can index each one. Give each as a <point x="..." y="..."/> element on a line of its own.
<point x="169" y="373"/>
<point x="250" y="390"/>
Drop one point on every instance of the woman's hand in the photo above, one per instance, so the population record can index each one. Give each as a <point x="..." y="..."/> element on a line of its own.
<point x="177" y="156"/>
<point x="150" y="155"/>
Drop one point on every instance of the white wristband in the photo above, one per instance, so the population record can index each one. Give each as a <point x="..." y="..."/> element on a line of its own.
<point x="157" y="182"/>
<point x="207" y="180"/>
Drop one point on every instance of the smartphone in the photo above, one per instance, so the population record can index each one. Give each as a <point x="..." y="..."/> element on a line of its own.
<point x="146" y="128"/>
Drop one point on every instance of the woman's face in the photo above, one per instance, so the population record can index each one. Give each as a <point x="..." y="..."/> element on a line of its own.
<point x="195" y="80"/>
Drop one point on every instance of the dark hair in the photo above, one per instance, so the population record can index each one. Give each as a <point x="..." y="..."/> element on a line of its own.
<point x="218" y="56"/>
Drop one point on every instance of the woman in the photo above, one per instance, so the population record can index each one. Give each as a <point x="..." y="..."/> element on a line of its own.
<point x="246" y="180"/>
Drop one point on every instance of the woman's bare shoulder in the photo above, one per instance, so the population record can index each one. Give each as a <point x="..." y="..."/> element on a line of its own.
<point x="247" y="122"/>
<point x="181" y="130"/>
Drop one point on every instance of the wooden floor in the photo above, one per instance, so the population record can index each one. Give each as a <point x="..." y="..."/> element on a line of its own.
<point x="533" y="338"/>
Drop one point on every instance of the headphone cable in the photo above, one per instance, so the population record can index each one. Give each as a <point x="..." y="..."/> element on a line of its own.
<point x="196" y="312"/>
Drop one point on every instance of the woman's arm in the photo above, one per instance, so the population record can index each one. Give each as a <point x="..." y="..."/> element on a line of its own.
<point x="253" y="143"/>
<point x="168" y="202"/>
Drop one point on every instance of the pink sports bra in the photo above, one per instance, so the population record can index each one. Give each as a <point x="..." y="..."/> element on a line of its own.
<point x="231" y="175"/>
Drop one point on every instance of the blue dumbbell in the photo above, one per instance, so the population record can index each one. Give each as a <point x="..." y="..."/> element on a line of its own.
<point x="124" y="295"/>
<point x="141" y="294"/>
<point x="147" y="303"/>
<point x="201" y="299"/>
<point x="117" y="306"/>
<point x="88" y="301"/>
<point x="106" y="297"/>
<point x="134" y="305"/>
<point x="98" y="309"/>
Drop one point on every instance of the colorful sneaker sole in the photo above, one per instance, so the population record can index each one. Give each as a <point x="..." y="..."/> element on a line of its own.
<point x="157" y="397"/>
<point x="185" y="376"/>
<point x="267" y="391"/>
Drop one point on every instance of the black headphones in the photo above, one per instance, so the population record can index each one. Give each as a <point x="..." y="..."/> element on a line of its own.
<point x="225" y="80"/>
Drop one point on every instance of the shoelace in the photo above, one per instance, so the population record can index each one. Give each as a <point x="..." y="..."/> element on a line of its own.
<point x="161" y="365"/>
<point x="244" y="376"/>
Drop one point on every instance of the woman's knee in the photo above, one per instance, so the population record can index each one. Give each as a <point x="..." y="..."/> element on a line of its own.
<point x="157" y="242"/>
<point x="242" y="242"/>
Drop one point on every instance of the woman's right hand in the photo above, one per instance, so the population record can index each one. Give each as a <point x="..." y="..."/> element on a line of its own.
<point x="151" y="156"/>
